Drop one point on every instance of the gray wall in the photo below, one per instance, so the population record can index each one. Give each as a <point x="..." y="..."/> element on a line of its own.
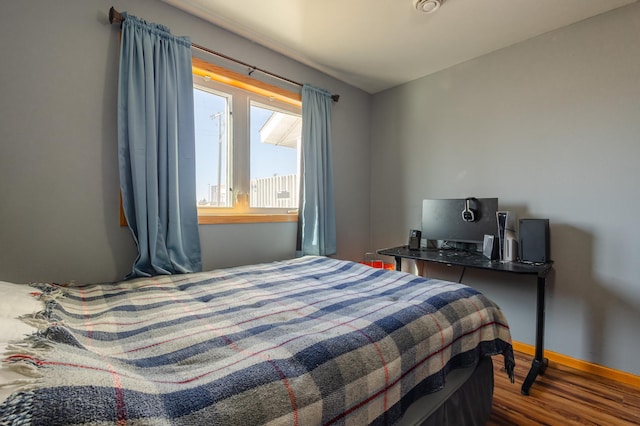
<point x="59" y="205"/>
<point x="550" y="126"/>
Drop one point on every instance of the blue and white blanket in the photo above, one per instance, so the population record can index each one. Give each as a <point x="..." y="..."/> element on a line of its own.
<point x="307" y="341"/>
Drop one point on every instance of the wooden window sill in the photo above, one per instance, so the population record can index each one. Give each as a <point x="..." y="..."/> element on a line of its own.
<point x="246" y="218"/>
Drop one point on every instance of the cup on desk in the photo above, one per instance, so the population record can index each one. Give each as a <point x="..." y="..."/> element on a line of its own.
<point x="511" y="250"/>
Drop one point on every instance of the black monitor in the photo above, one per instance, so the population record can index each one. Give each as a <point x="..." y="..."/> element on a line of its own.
<point x="443" y="219"/>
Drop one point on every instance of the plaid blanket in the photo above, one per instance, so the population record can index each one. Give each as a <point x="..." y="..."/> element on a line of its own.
<point x="299" y="342"/>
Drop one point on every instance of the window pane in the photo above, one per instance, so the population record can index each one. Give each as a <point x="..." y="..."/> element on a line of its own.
<point x="274" y="151"/>
<point x="212" y="149"/>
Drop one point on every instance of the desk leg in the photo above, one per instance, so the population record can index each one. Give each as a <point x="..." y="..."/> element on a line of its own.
<point x="539" y="364"/>
<point x="398" y="263"/>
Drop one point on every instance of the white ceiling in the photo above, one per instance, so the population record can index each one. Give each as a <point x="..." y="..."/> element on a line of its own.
<point x="378" y="44"/>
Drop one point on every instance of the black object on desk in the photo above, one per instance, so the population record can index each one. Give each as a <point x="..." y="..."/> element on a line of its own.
<point x="477" y="260"/>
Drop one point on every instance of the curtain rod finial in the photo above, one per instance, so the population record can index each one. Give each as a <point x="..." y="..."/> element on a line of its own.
<point x="115" y="16"/>
<point x="335" y="98"/>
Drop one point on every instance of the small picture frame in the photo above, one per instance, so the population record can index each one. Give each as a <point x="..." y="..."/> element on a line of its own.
<point x="489" y="247"/>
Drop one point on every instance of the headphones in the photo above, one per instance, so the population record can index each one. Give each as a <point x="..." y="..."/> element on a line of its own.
<point x="468" y="214"/>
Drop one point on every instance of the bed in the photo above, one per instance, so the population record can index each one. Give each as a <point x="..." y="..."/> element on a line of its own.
<point x="306" y="341"/>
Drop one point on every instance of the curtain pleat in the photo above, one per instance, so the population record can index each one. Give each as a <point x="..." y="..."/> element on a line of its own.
<point x="156" y="148"/>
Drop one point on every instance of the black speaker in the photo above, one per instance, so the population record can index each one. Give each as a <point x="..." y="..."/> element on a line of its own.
<point x="414" y="239"/>
<point x="534" y="240"/>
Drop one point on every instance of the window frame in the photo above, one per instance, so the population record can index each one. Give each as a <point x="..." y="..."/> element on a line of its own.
<point x="257" y="91"/>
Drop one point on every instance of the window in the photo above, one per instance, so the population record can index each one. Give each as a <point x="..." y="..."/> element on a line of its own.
<point x="213" y="172"/>
<point x="247" y="152"/>
<point x="274" y="157"/>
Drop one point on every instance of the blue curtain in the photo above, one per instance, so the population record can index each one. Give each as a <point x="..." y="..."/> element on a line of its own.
<point x="317" y="223"/>
<point x="156" y="148"/>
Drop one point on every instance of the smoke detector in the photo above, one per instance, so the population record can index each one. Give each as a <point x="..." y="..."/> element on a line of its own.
<point x="427" y="6"/>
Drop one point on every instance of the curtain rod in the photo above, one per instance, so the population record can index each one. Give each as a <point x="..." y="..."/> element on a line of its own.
<point x="116" y="17"/>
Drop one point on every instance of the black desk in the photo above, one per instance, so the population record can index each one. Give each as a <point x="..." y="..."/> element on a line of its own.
<point x="477" y="260"/>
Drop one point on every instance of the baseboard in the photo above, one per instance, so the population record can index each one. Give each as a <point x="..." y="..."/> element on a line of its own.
<point x="598" y="370"/>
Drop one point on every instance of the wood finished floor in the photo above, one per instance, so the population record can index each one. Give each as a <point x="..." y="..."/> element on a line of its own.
<point x="562" y="396"/>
